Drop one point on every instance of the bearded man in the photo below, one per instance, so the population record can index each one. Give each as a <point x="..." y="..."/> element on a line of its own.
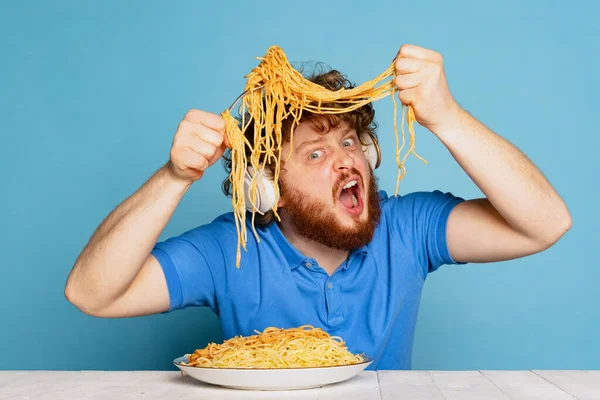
<point x="344" y="256"/>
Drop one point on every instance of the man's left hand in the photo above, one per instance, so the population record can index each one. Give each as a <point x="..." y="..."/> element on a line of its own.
<point x="422" y="83"/>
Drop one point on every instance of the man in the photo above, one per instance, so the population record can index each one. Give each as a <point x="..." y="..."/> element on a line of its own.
<point x="343" y="257"/>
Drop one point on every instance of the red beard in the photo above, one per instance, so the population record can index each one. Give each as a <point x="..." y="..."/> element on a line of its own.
<point x="315" y="220"/>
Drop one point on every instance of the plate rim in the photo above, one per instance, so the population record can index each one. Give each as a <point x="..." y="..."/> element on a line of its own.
<point x="177" y="362"/>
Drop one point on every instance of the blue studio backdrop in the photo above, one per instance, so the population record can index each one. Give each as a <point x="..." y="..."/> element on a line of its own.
<point x="91" y="94"/>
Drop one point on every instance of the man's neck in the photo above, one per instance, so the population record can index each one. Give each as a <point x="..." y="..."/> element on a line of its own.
<point x="329" y="259"/>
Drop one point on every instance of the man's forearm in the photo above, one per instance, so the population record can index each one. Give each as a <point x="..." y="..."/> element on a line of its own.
<point x="118" y="249"/>
<point x="509" y="180"/>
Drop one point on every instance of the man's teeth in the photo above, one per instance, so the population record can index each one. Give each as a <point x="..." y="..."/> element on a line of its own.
<point x="354" y="200"/>
<point x="349" y="184"/>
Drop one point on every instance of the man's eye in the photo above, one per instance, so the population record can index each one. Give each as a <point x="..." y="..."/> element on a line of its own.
<point x="314" y="155"/>
<point x="347" y="142"/>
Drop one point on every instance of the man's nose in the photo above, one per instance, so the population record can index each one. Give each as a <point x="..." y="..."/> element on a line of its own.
<point x="343" y="160"/>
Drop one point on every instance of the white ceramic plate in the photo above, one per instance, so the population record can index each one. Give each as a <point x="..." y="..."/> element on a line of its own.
<point x="272" y="379"/>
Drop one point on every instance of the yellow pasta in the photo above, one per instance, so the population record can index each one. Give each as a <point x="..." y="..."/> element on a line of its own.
<point x="301" y="347"/>
<point x="276" y="91"/>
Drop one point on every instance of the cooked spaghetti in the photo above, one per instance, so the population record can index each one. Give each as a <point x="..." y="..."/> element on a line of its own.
<point x="301" y="347"/>
<point x="276" y="91"/>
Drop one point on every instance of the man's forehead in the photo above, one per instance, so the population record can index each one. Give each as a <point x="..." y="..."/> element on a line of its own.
<point x="307" y="132"/>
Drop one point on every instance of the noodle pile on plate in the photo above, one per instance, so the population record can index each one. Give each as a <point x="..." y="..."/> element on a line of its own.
<point x="301" y="347"/>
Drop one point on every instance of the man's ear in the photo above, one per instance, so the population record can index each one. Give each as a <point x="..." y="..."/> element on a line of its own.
<point x="280" y="202"/>
<point x="282" y="171"/>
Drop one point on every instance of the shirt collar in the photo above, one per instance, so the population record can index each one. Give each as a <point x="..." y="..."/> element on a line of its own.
<point x="293" y="257"/>
<point x="363" y="250"/>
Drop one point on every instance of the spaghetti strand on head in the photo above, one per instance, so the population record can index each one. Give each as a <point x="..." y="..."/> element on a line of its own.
<point x="275" y="91"/>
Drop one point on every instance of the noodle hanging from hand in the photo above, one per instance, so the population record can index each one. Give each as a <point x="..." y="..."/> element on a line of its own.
<point x="276" y="91"/>
<point x="301" y="347"/>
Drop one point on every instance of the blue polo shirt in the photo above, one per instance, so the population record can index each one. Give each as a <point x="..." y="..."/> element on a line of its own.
<point x="371" y="300"/>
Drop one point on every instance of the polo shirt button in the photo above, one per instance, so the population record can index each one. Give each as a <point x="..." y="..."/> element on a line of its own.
<point x="308" y="265"/>
<point x="329" y="285"/>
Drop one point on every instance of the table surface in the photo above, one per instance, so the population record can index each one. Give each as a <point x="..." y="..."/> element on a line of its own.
<point x="430" y="385"/>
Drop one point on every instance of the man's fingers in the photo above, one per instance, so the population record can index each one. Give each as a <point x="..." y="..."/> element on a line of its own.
<point x="187" y="128"/>
<point x="407" y="96"/>
<point x="412" y="51"/>
<point x="198" y="143"/>
<point x="408" y="65"/>
<point x="209" y="135"/>
<point x="210" y="120"/>
<point x="193" y="160"/>
<point x="218" y="154"/>
<point x="408" y="81"/>
<point x="202" y="147"/>
<point x="226" y="142"/>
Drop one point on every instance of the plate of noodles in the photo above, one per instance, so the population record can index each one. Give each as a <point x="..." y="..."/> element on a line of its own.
<point x="275" y="359"/>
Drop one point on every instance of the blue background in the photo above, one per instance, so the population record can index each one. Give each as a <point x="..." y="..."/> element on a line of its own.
<point x="91" y="94"/>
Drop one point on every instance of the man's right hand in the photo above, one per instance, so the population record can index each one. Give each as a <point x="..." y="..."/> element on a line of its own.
<point x="198" y="143"/>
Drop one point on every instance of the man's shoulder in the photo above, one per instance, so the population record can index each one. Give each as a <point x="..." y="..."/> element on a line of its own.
<point x="222" y="225"/>
<point x="412" y="197"/>
<point x="414" y="203"/>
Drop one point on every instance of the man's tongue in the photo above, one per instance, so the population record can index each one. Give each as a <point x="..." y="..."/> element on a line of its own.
<point x="348" y="199"/>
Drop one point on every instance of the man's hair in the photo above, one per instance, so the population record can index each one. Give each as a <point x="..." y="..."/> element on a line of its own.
<point x="361" y="119"/>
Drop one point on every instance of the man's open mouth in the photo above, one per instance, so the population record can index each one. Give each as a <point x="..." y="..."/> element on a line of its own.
<point x="350" y="196"/>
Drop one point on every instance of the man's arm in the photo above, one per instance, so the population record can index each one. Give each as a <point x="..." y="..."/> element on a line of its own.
<point x="115" y="275"/>
<point x="522" y="214"/>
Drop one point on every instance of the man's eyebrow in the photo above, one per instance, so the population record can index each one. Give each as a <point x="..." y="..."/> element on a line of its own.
<point x="321" y="138"/>
<point x="310" y="142"/>
<point x="346" y="131"/>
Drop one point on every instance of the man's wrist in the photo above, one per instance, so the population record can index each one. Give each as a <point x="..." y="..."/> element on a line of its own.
<point x="455" y="121"/>
<point x="172" y="180"/>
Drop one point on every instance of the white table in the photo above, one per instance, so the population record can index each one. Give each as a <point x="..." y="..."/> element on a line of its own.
<point x="429" y="385"/>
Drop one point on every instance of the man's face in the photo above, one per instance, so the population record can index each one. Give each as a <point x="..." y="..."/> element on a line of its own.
<point x="328" y="191"/>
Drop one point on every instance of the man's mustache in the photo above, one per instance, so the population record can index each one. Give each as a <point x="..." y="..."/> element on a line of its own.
<point x="343" y="177"/>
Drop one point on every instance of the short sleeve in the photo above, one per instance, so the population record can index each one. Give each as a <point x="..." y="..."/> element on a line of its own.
<point x="422" y="219"/>
<point x="187" y="262"/>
